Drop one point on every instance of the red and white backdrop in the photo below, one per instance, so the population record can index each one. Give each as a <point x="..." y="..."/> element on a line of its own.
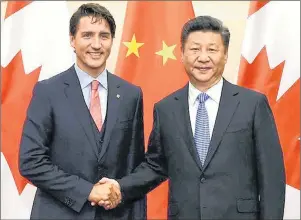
<point x="270" y="63"/>
<point x="35" y="46"/>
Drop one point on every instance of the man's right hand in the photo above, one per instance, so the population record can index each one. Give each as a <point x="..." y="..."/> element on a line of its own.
<point x="116" y="188"/>
<point x="105" y="194"/>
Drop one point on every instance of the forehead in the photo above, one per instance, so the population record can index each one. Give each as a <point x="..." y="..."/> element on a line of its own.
<point x="204" y="37"/>
<point x="89" y="23"/>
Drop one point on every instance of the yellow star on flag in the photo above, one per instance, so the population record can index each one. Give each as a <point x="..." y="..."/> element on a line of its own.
<point x="133" y="46"/>
<point x="167" y="52"/>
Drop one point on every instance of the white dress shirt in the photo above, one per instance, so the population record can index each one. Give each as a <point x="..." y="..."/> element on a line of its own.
<point x="211" y="103"/>
<point x="85" y="82"/>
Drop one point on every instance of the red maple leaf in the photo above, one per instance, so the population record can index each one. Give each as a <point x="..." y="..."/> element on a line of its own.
<point x="16" y="92"/>
<point x="287" y="116"/>
<point x="256" y="6"/>
<point x="260" y="77"/>
<point x="14" y="6"/>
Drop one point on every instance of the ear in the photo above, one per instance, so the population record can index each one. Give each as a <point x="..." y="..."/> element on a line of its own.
<point x="72" y="41"/>
<point x="182" y="54"/>
<point x="226" y="56"/>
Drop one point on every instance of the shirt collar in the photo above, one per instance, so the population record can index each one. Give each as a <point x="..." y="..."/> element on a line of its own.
<point x="85" y="79"/>
<point x="214" y="92"/>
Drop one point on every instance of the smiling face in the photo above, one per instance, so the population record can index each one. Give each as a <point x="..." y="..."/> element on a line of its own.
<point x="204" y="57"/>
<point x="92" y="44"/>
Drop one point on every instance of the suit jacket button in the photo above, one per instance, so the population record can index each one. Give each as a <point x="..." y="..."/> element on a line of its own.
<point x="203" y="179"/>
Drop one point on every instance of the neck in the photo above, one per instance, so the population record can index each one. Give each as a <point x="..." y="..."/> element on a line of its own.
<point x="94" y="72"/>
<point x="204" y="86"/>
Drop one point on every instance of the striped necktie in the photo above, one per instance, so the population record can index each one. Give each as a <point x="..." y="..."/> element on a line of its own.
<point x="202" y="133"/>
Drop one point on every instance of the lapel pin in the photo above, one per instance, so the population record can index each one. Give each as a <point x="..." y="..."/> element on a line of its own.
<point x="118" y="96"/>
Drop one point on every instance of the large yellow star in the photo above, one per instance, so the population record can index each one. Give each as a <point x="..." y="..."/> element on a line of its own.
<point x="133" y="46"/>
<point x="167" y="52"/>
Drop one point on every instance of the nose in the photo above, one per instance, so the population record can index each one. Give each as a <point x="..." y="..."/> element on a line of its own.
<point x="203" y="57"/>
<point x="96" y="43"/>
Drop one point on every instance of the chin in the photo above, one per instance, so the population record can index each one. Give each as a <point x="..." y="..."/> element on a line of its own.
<point x="95" y="65"/>
<point x="203" y="78"/>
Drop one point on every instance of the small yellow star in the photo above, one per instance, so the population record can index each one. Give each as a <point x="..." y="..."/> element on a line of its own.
<point x="167" y="52"/>
<point x="133" y="46"/>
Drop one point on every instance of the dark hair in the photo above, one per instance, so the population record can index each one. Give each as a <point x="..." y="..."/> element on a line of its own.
<point x="96" y="11"/>
<point x="205" y="23"/>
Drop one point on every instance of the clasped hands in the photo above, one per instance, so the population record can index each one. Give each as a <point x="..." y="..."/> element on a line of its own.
<point x="105" y="193"/>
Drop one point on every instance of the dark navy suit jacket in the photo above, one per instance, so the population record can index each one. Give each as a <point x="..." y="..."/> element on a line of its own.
<point x="60" y="154"/>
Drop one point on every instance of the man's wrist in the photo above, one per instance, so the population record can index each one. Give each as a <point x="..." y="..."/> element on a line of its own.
<point x="90" y="197"/>
<point x="121" y="192"/>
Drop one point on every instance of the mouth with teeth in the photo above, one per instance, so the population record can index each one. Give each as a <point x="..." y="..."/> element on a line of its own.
<point x="95" y="55"/>
<point x="203" y="69"/>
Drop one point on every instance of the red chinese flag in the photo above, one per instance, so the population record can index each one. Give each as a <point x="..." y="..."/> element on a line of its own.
<point x="150" y="57"/>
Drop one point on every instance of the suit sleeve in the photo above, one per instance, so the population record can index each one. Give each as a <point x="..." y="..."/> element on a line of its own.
<point x="34" y="161"/>
<point x="151" y="172"/>
<point x="270" y="165"/>
<point x="136" y="154"/>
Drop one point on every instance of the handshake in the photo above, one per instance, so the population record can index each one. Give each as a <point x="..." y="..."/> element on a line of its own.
<point x="105" y="193"/>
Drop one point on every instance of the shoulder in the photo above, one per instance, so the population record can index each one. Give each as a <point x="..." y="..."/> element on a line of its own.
<point x="168" y="100"/>
<point x="245" y="93"/>
<point x="52" y="83"/>
<point x="56" y="79"/>
<point x="125" y="85"/>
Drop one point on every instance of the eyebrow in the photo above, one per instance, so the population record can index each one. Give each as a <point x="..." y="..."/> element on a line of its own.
<point x="195" y="43"/>
<point x="86" y="32"/>
<point x="91" y="32"/>
<point x="212" y="44"/>
<point x="104" y="32"/>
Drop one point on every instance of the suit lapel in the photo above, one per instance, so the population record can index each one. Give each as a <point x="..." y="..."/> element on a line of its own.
<point x="227" y="107"/>
<point x="76" y="99"/>
<point x="112" y="110"/>
<point x="182" y="117"/>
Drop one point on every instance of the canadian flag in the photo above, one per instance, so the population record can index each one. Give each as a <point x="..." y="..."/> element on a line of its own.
<point x="35" y="46"/>
<point x="270" y="64"/>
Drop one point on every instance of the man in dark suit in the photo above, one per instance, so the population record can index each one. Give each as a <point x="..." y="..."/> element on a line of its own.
<point x="215" y="141"/>
<point x="83" y="124"/>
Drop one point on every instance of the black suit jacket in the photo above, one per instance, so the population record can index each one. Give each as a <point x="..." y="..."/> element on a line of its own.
<point x="60" y="154"/>
<point x="243" y="174"/>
